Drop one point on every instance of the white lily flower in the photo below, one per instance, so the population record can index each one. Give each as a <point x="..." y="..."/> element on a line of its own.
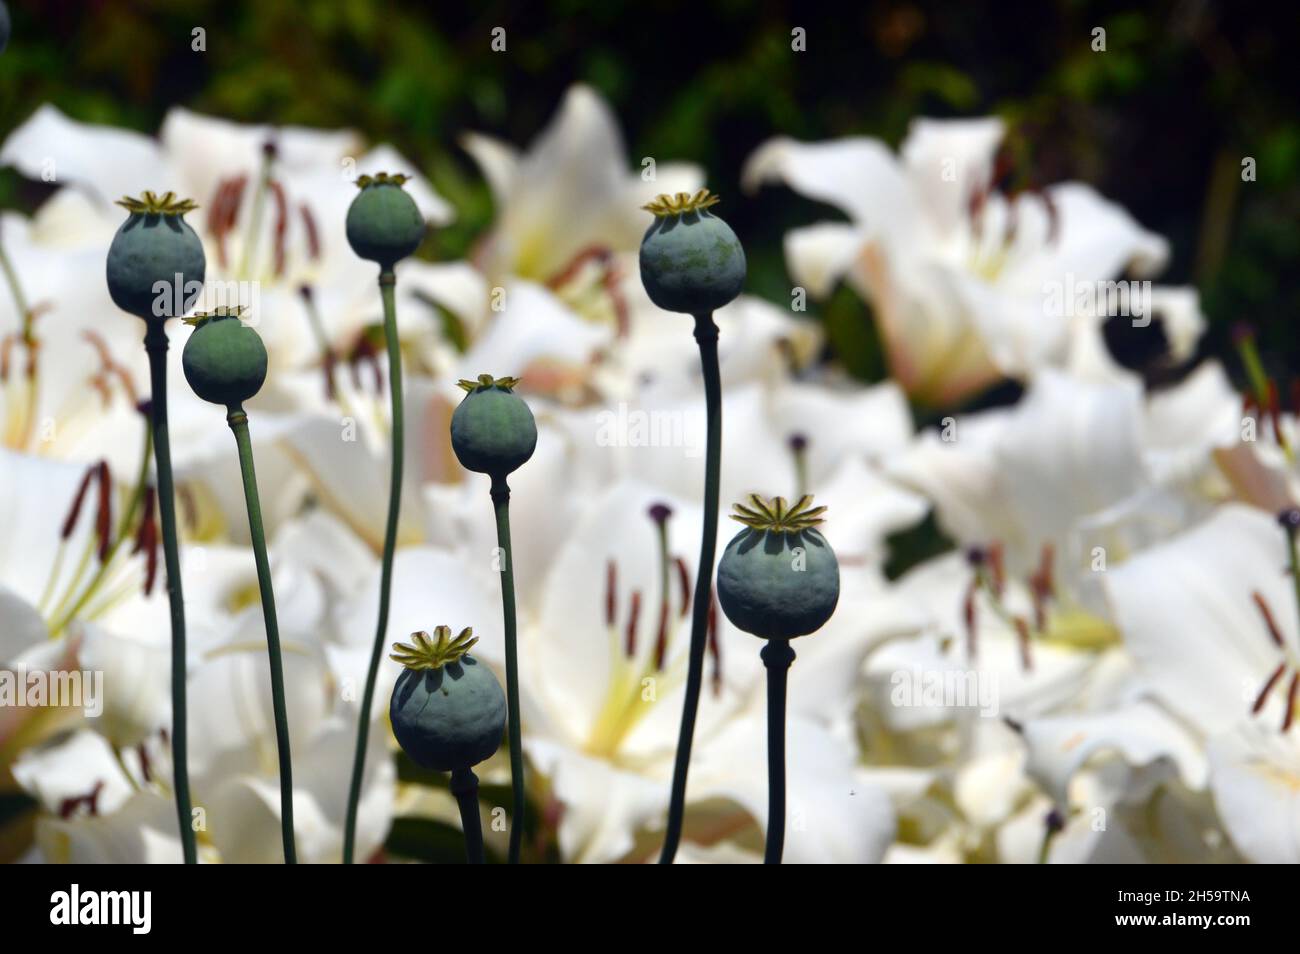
<point x="569" y="192"/>
<point x="1078" y="474"/>
<point x="273" y="203"/>
<point x="1210" y="618"/>
<point x="107" y="823"/>
<point x="960" y="276"/>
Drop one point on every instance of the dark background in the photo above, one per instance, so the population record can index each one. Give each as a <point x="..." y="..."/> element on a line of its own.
<point x="1159" y="122"/>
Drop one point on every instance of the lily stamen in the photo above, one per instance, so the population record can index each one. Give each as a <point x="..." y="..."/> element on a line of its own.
<point x="633" y="619"/>
<point x="611" y="593"/>
<point x="606" y="280"/>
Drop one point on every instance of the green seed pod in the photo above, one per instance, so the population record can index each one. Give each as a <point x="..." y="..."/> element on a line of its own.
<point x="384" y="224"/>
<point x="156" y="264"/>
<point x="447" y="709"/>
<point x="224" y="360"/>
<point x="691" y="261"/>
<point x="778" y="578"/>
<point x="492" y="429"/>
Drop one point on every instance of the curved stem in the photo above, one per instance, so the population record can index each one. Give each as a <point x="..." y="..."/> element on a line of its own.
<point x="501" y="505"/>
<point x="706" y="335"/>
<point x="387" y="282"/>
<point x="464" y="785"/>
<point x="155" y="343"/>
<point x="777" y="657"/>
<point x="238" y="422"/>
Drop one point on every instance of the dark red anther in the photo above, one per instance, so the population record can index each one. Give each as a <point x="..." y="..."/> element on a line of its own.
<point x="100" y="384"/>
<point x="1243" y="333"/>
<point x="592" y="253"/>
<point x="1290" y="701"/>
<point x="281" y="224"/>
<point x="798" y="442"/>
<point x="611" y="593"/>
<point x="1042" y="585"/>
<point x="622" y="321"/>
<point x="661" y="639"/>
<point x="1003" y="166"/>
<point x="224" y="211"/>
<point x="1262" y="698"/>
<point x="604" y="258"/>
<point x="975" y="209"/>
<point x="1022" y="637"/>
<point x="146" y="765"/>
<point x="354" y="370"/>
<point x="104" y="510"/>
<point x="312" y="232"/>
<point x="216" y="209"/>
<point x="684" y="583"/>
<point x="1053" y="216"/>
<point x="968" y="615"/>
<point x="110" y="368"/>
<point x="629" y="645"/>
<point x="715" y="647"/>
<point x="146" y="539"/>
<point x="365" y="352"/>
<point x="1269" y="622"/>
<point x="69" y="806"/>
<point x="70" y="522"/>
<point x="1274" y="405"/>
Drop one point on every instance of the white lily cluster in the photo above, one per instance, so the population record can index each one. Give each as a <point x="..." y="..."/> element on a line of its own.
<point x="1103" y="670"/>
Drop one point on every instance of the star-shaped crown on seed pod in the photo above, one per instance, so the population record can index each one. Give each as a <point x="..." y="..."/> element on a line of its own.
<point x="665" y="205"/>
<point x="382" y="178"/>
<point x="150" y="203"/>
<point x="486" y="381"/>
<point x="425" y="653"/>
<point x="777" y="515"/>
<point x="200" y="318"/>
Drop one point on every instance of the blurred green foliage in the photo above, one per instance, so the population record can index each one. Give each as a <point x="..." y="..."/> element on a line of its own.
<point x="1160" y="121"/>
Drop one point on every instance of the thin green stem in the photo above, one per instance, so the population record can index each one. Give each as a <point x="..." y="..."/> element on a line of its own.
<point x="238" y="422"/>
<point x="464" y="785"/>
<point x="155" y="343"/>
<point x="706" y="335"/>
<point x="777" y="656"/>
<point x="387" y="282"/>
<point x="501" y="505"/>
